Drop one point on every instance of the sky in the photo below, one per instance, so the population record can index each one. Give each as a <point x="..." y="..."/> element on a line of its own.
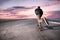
<point x="27" y="8"/>
<point x="27" y="3"/>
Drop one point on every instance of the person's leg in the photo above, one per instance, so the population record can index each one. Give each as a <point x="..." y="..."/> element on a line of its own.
<point x="39" y="22"/>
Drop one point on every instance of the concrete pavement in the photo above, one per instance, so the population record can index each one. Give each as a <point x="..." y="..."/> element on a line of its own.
<point x="27" y="30"/>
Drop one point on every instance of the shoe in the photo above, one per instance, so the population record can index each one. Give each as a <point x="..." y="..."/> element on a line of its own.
<point x="37" y="25"/>
<point x="41" y="29"/>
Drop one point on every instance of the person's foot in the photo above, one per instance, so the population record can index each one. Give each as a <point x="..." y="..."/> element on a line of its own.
<point x="37" y="25"/>
<point x="41" y="29"/>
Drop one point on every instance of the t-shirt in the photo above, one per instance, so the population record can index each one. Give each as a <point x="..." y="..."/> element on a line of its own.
<point x="38" y="11"/>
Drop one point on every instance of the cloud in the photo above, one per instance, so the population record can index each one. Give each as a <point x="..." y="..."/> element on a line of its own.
<point x="10" y="3"/>
<point x="54" y="0"/>
<point x="21" y="12"/>
<point x="18" y="7"/>
<point x="53" y="14"/>
<point x="16" y="12"/>
<point x="53" y="6"/>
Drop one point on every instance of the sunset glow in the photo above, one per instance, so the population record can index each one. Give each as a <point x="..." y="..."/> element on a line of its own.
<point x="23" y="11"/>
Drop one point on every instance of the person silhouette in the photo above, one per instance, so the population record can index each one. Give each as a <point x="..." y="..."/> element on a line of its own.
<point x="39" y="13"/>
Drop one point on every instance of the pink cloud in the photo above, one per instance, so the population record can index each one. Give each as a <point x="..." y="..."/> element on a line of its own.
<point x="15" y="13"/>
<point x="53" y="14"/>
<point x="26" y="13"/>
<point x="54" y="6"/>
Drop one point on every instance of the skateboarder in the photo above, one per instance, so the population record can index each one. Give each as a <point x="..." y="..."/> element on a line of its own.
<point x="39" y="13"/>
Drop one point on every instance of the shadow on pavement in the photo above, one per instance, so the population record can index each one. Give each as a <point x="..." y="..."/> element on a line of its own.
<point x="52" y="27"/>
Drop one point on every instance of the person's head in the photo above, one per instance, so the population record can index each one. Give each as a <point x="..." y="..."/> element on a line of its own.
<point x="38" y="7"/>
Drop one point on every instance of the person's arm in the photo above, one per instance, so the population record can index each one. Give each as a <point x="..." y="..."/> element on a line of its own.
<point x="46" y="21"/>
